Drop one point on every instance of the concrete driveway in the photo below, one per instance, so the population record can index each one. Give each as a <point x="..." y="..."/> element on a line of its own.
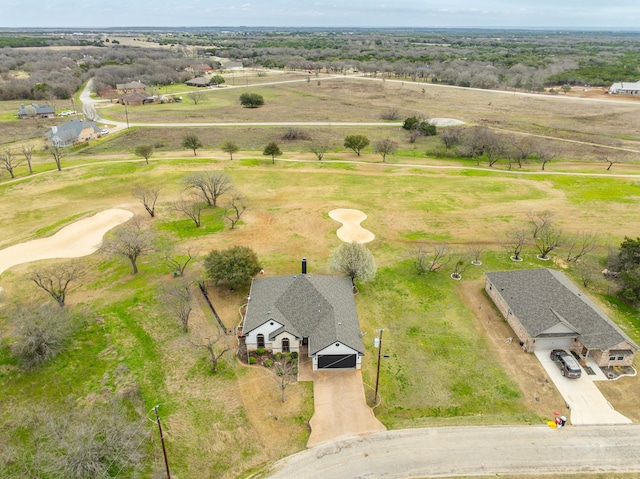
<point x="340" y="407"/>
<point x="588" y="405"/>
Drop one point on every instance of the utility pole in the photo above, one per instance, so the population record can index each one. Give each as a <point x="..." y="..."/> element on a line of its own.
<point x="379" y="346"/>
<point x="126" y="114"/>
<point x="164" y="450"/>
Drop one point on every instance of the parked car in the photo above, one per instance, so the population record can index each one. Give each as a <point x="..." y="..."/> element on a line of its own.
<point x="104" y="131"/>
<point x="568" y="365"/>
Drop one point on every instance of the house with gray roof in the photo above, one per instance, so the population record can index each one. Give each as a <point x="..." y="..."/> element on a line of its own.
<point x="73" y="131"/>
<point x="307" y="314"/>
<point x="547" y="311"/>
<point x="625" y="88"/>
<point x="36" y="110"/>
<point x="198" y="81"/>
<point x="131" y="87"/>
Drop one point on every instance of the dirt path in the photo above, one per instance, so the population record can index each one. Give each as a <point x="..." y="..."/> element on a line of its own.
<point x="80" y="238"/>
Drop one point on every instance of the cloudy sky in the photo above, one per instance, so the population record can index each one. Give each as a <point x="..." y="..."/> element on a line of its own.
<point x="324" y="13"/>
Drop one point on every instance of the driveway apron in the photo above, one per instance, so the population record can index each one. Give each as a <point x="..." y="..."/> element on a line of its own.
<point x="587" y="404"/>
<point x="340" y="407"/>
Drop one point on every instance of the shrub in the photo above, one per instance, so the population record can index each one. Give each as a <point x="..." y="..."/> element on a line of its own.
<point x="268" y="363"/>
<point x="295" y="134"/>
<point x="252" y="360"/>
<point x="294" y="355"/>
<point x="260" y="351"/>
<point x="251" y="100"/>
<point x="40" y="334"/>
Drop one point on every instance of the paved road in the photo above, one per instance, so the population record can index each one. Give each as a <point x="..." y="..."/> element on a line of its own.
<point x="460" y="451"/>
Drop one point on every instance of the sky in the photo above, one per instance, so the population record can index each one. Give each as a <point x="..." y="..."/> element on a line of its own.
<point x="598" y="14"/>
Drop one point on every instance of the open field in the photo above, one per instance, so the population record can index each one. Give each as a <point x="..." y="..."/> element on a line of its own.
<point x="448" y="360"/>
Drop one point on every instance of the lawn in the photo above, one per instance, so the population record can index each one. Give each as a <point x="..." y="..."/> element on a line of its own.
<point x="446" y="361"/>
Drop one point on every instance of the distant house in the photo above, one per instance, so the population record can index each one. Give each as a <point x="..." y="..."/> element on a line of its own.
<point x="547" y="311"/>
<point x="625" y="88"/>
<point x="199" y="82"/>
<point x="134" y="86"/>
<point x="134" y="99"/>
<point x="36" y="110"/>
<point x="73" y="131"/>
<point x="231" y="64"/>
<point x="109" y="93"/>
<point x="311" y="315"/>
<point x="199" y="68"/>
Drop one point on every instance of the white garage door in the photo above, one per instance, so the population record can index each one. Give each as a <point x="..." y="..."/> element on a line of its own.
<point x="553" y="343"/>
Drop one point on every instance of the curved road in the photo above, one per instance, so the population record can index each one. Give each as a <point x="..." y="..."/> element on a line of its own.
<point x="462" y="451"/>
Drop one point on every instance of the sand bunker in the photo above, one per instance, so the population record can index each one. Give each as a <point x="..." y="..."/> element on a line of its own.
<point x="351" y="231"/>
<point x="445" y="122"/>
<point x="78" y="239"/>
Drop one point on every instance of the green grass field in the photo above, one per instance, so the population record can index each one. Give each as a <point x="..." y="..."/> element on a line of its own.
<point x="442" y="368"/>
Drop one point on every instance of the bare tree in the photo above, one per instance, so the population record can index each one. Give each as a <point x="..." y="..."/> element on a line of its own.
<point x="519" y="150"/>
<point x="319" y="149"/>
<point x="495" y="148"/>
<point x="427" y="260"/>
<point x="476" y="251"/>
<point x="216" y="351"/>
<point x="55" y="280"/>
<point x="209" y="185"/>
<point x="192" y="208"/>
<point x="588" y="272"/>
<point x="544" y="155"/>
<point x="285" y="370"/>
<point x="539" y="221"/>
<point x="131" y="241"/>
<point x="581" y="244"/>
<point x="515" y="242"/>
<point x="57" y="153"/>
<point x="149" y="197"/>
<point x="196" y="96"/>
<point x="27" y="150"/>
<point x="385" y="147"/>
<point x="9" y="161"/>
<point x="177" y="297"/>
<point x="611" y="160"/>
<point x="234" y="210"/>
<point x="450" y="137"/>
<point x="144" y="151"/>
<point x="547" y="239"/>
<point x="179" y="263"/>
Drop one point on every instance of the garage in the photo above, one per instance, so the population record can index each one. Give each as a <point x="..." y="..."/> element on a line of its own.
<point x="337" y="361"/>
<point x="552" y="343"/>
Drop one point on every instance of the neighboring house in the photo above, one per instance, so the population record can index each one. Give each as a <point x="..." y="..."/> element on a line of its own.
<point x="309" y="314"/>
<point x="625" y="88"/>
<point x="134" y="86"/>
<point x="227" y="64"/>
<point x="73" y="131"/>
<point x="199" y="82"/>
<point x="36" y="110"/>
<point x="547" y="311"/>
<point x="109" y="93"/>
<point x="199" y="68"/>
<point x="134" y="99"/>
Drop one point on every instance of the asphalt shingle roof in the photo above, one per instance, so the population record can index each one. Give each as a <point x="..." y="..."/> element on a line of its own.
<point x="542" y="298"/>
<point x="321" y="308"/>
